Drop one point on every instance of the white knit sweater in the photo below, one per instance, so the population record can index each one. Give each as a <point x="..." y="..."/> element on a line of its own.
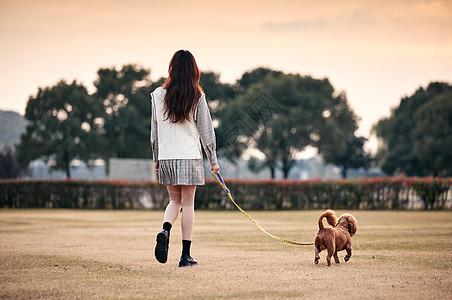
<point x="175" y="140"/>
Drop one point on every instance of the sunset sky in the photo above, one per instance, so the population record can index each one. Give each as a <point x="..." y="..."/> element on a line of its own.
<point x="375" y="51"/>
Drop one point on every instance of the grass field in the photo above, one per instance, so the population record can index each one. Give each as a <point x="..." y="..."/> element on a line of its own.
<point x="74" y="254"/>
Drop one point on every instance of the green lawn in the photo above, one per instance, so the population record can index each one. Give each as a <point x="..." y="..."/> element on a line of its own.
<point x="75" y="254"/>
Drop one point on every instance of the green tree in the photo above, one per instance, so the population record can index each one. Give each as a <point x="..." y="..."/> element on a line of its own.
<point x="398" y="134"/>
<point x="124" y="94"/>
<point x="254" y="76"/>
<point x="218" y="94"/>
<point x="282" y="114"/>
<point x="354" y="155"/>
<point x="63" y="125"/>
<point x="215" y="89"/>
<point x="432" y="136"/>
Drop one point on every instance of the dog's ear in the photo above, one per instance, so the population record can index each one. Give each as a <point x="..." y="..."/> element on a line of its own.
<point x="353" y="225"/>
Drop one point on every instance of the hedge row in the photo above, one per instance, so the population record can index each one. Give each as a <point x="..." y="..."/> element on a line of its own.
<point x="375" y="193"/>
<point x="80" y="194"/>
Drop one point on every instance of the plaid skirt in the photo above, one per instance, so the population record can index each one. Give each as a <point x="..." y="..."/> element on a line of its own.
<point x="181" y="172"/>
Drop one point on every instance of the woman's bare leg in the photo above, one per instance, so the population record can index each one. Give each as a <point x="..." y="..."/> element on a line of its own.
<point x="188" y="211"/>
<point x="173" y="207"/>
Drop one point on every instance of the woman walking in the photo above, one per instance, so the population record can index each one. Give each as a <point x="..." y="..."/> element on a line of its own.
<point x="180" y="118"/>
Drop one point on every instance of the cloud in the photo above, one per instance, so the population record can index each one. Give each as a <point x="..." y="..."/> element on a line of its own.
<point x="363" y="17"/>
<point x="359" y="17"/>
<point x="294" y="25"/>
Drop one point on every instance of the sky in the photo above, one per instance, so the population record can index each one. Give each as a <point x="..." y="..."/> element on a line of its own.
<point x="376" y="51"/>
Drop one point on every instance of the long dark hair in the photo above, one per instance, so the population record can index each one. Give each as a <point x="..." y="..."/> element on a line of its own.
<point x="182" y="87"/>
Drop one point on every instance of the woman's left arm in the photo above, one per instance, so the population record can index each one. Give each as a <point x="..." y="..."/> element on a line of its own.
<point x="206" y="131"/>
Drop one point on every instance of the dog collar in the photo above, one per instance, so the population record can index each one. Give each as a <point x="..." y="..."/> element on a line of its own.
<point x="343" y="230"/>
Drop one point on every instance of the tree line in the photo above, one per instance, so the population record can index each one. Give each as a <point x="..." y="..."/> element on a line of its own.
<point x="416" y="139"/>
<point x="275" y="113"/>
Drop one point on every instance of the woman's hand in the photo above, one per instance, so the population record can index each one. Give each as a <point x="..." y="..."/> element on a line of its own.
<point x="156" y="166"/>
<point x="215" y="168"/>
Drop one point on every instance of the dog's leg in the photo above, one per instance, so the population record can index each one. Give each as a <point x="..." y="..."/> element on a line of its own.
<point x="331" y="248"/>
<point x="317" y="255"/>
<point x="336" y="258"/>
<point x="348" y="248"/>
<point x="331" y="251"/>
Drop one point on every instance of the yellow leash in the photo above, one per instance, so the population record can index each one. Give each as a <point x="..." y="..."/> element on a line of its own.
<point x="220" y="181"/>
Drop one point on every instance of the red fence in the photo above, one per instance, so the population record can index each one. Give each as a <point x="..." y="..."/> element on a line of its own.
<point x="374" y="193"/>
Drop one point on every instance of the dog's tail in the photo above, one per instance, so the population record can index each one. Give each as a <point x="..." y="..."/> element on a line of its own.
<point x="330" y="216"/>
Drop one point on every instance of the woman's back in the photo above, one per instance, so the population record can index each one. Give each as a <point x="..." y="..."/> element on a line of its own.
<point x="176" y="140"/>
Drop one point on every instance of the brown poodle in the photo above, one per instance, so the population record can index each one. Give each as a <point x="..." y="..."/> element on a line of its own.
<point x="337" y="238"/>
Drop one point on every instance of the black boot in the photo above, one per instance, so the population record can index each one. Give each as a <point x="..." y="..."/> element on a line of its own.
<point x="161" y="249"/>
<point x="187" y="261"/>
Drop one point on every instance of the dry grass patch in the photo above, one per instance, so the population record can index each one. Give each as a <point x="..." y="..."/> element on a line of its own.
<point x="73" y="254"/>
